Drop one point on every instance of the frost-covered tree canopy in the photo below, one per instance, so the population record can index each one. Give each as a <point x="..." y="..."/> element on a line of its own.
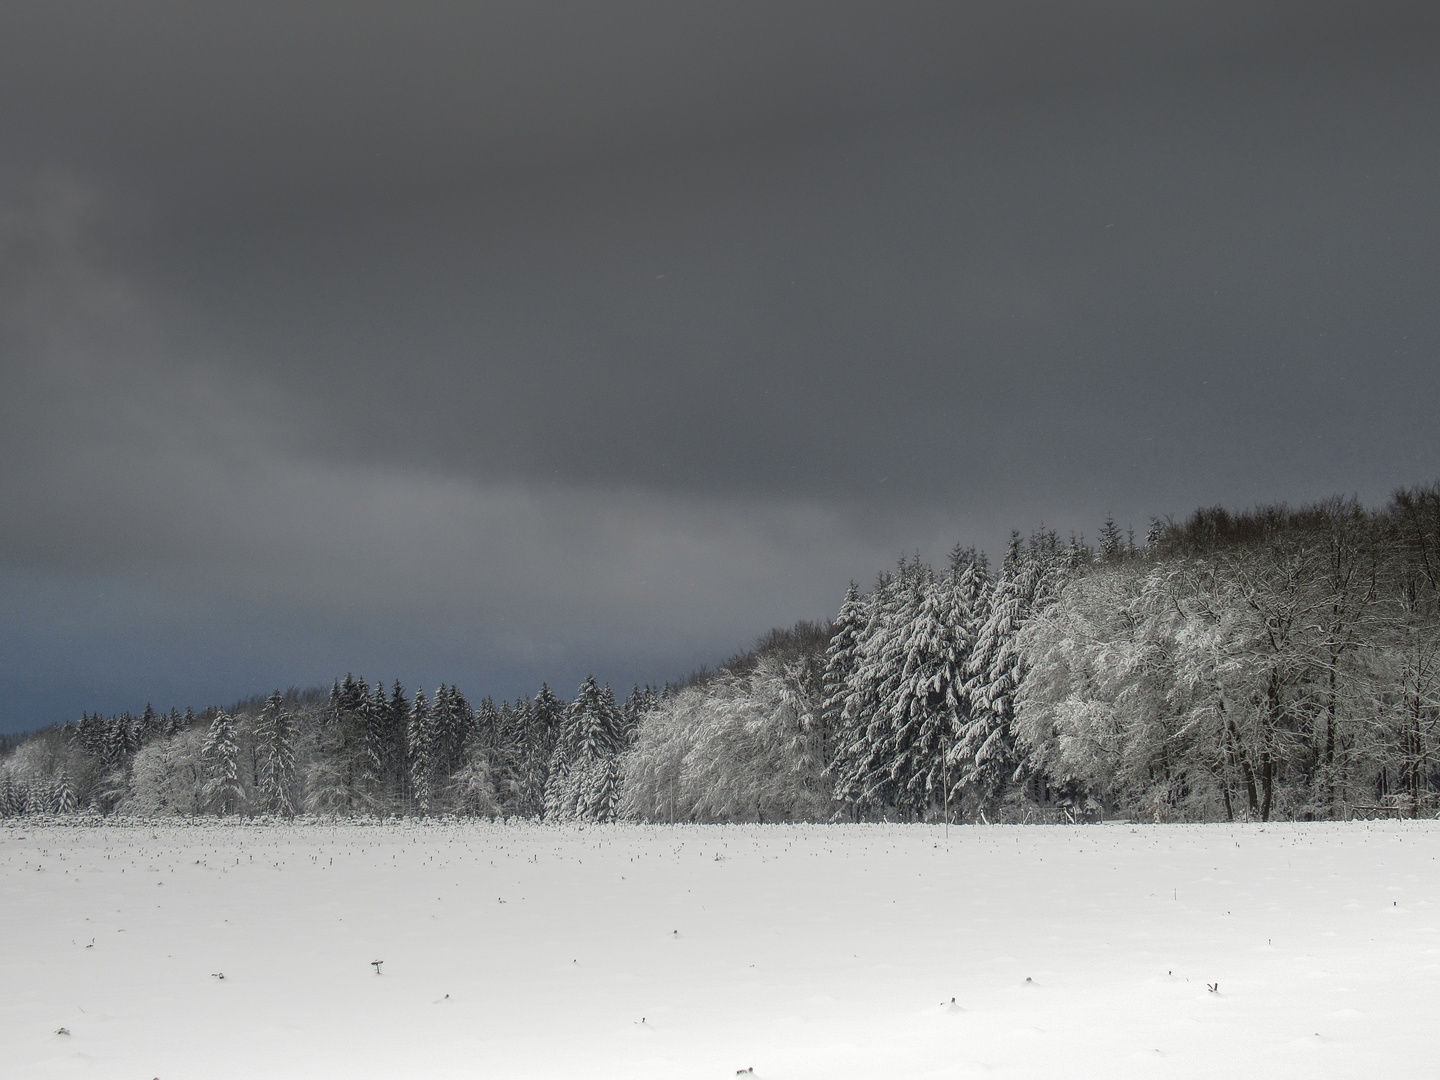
<point x="1276" y="662"/>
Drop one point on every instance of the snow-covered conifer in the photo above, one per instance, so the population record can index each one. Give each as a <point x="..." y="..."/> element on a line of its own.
<point x="590" y="736"/>
<point x="275" y="748"/>
<point x="487" y="724"/>
<point x="536" y="728"/>
<point x="118" y="742"/>
<point x="455" y="723"/>
<point x="1112" y="541"/>
<point x="221" y="754"/>
<point x="869" y="775"/>
<point x="840" y="661"/>
<point x="90" y="735"/>
<point x="613" y="718"/>
<point x="374" y="739"/>
<point x="148" y="726"/>
<point x="420" y="741"/>
<point x="590" y="722"/>
<point x="934" y="647"/>
<point x="64" y="793"/>
<point x="600" y="789"/>
<point x="985" y="754"/>
<point x="546" y="719"/>
<point x="636" y="705"/>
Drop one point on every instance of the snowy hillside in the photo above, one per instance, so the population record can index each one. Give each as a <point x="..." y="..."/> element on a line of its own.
<point x="698" y="951"/>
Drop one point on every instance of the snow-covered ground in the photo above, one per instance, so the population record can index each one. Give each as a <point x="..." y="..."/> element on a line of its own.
<point x="697" y="951"/>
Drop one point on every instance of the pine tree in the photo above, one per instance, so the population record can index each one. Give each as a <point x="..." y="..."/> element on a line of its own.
<point x="342" y="774"/>
<point x="375" y="740"/>
<point x="222" y="791"/>
<point x="869" y="776"/>
<point x="487" y="724"/>
<point x="795" y="686"/>
<point x="613" y="720"/>
<point x="840" y="661"/>
<point x="537" y="745"/>
<point x="932" y="656"/>
<point x="473" y="788"/>
<point x="395" y="718"/>
<point x="547" y="718"/>
<point x="1112" y="541"/>
<point x="91" y="735"/>
<point x="591" y="722"/>
<point x="636" y="705"/>
<point x="275" y="743"/>
<point x="64" y="793"/>
<point x="148" y="727"/>
<point x="858" y="697"/>
<point x="455" y="722"/>
<point x="420" y="739"/>
<point x="119" y="741"/>
<point x="590" y="737"/>
<point x="985" y="754"/>
<point x="601" y="790"/>
<point x="505" y="757"/>
<point x="462" y="723"/>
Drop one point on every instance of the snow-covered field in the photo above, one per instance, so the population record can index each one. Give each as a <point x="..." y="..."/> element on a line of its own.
<point x="697" y="951"/>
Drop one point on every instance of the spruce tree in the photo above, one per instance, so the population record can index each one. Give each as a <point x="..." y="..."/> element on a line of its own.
<point x="601" y="791"/>
<point x="537" y="745"/>
<point x="857" y="698"/>
<point x="636" y="705"/>
<point x="869" y="778"/>
<point x="1112" y="541"/>
<point x="970" y="608"/>
<point x="985" y="752"/>
<point x="420" y="740"/>
<point x="589" y="739"/>
<point x="585" y="731"/>
<point x="454" y="723"/>
<point x="375" y="740"/>
<point x="505" y="757"/>
<point x="840" y="661"/>
<point x="344" y="774"/>
<point x="223" y="792"/>
<point x="148" y="727"/>
<point x="487" y="724"/>
<point x="921" y="717"/>
<point x="119" y="742"/>
<point x="396" y="717"/>
<point x="64" y="793"/>
<point x="546" y="720"/>
<point x="91" y="735"/>
<point x="613" y="720"/>
<point x="275" y="745"/>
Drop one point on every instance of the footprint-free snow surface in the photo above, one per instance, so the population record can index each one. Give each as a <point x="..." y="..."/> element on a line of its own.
<point x="250" y="950"/>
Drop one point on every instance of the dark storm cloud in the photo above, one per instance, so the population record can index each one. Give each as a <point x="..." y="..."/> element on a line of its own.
<point x="292" y="104"/>
<point x="560" y="335"/>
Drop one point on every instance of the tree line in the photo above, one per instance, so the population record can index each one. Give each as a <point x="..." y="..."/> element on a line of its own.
<point x="359" y="750"/>
<point x="1273" y="663"/>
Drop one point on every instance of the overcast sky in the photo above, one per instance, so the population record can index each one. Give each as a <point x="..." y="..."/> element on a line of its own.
<point x="507" y="342"/>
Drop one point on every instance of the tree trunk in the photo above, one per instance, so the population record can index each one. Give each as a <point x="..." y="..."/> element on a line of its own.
<point x="1416" y="753"/>
<point x="1237" y="754"/>
<point x="1267" y="756"/>
<point x="1330" y="743"/>
<point x="1267" y="783"/>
